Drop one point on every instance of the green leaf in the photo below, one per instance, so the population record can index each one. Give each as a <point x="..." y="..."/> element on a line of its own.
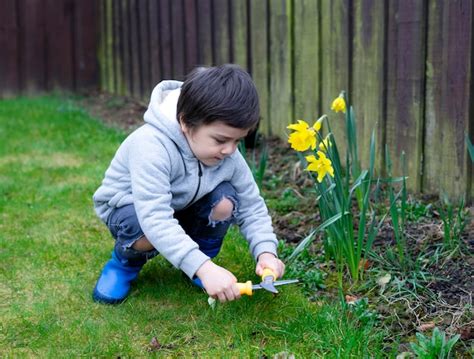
<point x="358" y="181"/>
<point x="470" y="148"/>
<point x="305" y="242"/>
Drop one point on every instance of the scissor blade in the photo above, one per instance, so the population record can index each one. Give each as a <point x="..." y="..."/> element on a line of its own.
<point x="267" y="284"/>
<point x="259" y="286"/>
<point x="277" y="283"/>
<point x="286" y="281"/>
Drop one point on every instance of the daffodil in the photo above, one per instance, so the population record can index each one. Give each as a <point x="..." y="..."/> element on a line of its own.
<point x="324" y="144"/>
<point x="303" y="138"/>
<point x="319" y="123"/>
<point x="301" y="126"/>
<point x="321" y="165"/>
<point x="339" y="105"/>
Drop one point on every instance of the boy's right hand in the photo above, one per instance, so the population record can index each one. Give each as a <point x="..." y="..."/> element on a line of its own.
<point x="218" y="282"/>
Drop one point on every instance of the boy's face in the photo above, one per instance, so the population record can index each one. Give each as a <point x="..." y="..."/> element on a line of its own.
<point x="212" y="143"/>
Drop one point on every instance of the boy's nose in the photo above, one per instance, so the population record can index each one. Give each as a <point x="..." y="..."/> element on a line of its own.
<point x="229" y="149"/>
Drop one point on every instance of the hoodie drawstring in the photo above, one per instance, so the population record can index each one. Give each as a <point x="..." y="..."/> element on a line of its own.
<point x="199" y="184"/>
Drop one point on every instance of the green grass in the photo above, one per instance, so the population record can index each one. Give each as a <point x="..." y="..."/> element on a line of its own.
<point x="53" y="156"/>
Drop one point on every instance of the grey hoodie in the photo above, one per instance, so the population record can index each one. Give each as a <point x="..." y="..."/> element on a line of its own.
<point x="155" y="169"/>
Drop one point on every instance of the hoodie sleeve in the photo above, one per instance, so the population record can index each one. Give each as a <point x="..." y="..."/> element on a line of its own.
<point x="150" y="169"/>
<point x="253" y="218"/>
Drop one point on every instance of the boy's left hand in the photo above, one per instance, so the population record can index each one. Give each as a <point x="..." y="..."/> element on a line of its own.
<point x="268" y="260"/>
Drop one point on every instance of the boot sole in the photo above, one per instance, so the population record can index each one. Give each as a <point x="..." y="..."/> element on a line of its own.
<point x="99" y="298"/>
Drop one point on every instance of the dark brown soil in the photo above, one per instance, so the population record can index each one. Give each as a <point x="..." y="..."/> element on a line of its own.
<point x="294" y="211"/>
<point x="122" y="112"/>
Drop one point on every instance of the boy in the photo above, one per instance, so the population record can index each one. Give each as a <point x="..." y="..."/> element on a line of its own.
<point x="176" y="184"/>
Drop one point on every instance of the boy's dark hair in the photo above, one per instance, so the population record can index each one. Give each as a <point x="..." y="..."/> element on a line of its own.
<point x="223" y="93"/>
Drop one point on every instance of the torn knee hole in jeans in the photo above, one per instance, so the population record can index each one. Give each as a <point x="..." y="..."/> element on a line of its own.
<point x="129" y="244"/>
<point x="215" y="221"/>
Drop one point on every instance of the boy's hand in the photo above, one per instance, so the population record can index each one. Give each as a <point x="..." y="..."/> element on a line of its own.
<point x="268" y="260"/>
<point x="218" y="282"/>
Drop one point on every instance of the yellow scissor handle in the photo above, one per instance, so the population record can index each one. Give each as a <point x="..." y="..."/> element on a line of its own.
<point x="268" y="272"/>
<point x="245" y="288"/>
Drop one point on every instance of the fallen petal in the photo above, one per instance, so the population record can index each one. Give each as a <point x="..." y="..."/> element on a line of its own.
<point x="350" y="299"/>
<point x="384" y="280"/>
<point x="212" y="302"/>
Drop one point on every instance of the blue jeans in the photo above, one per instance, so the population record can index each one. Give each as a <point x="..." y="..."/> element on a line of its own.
<point x="196" y="221"/>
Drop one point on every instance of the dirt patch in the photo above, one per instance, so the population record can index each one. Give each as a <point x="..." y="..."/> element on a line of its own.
<point x="122" y="112"/>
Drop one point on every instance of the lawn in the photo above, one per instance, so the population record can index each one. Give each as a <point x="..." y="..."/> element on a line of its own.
<point x="53" y="156"/>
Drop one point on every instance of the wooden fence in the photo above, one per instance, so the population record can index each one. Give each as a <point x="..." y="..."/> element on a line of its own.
<point x="47" y="45"/>
<point x="407" y="64"/>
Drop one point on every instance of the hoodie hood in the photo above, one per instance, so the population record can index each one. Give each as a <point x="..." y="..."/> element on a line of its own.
<point x="161" y="113"/>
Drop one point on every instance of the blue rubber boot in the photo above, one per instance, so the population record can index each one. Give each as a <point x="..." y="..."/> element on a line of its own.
<point x="114" y="282"/>
<point x="197" y="282"/>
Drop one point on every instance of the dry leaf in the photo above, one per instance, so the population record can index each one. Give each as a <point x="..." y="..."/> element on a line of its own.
<point x="284" y="355"/>
<point x="404" y="355"/>
<point x="364" y="263"/>
<point x="296" y="172"/>
<point x="154" y="344"/>
<point x="466" y="333"/>
<point x="426" y="326"/>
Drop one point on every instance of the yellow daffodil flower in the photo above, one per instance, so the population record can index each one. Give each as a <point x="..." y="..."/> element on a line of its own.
<point x="339" y="105"/>
<point x="301" y="126"/>
<point x="318" y="124"/>
<point x="321" y="165"/>
<point x="303" y="138"/>
<point x="324" y="144"/>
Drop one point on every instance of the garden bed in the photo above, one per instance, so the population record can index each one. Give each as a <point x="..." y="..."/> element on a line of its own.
<point x="438" y="292"/>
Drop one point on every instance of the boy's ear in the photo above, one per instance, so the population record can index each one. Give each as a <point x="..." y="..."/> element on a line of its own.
<point x="183" y="126"/>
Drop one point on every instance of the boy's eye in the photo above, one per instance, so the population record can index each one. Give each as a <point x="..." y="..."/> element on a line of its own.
<point x="221" y="142"/>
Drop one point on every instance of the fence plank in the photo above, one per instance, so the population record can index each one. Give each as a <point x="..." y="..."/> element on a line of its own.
<point x="101" y="49"/>
<point x="117" y="48"/>
<point x="281" y="104"/>
<point x="165" y="38"/>
<point x="126" y="48"/>
<point x="259" y="59"/>
<point x="59" y="44"/>
<point x="447" y="166"/>
<point x="135" y="47"/>
<point x="405" y="76"/>
<point x="220" y="32"/>
<point x="109" y="46"/>
<point x="335" y="61"/>
<point x="33" y="46"/>
<point x="368" y="76"/>
<point x="205" y="48"/>
<point x="143" y="34"/>
<point x="9" y="34"/>
<point x="239" y="33"/>
<point x="191" y="35"/>
<point x="177" y="39"/>
<point x="155" y="47"/>
<point x="306" y="60"/>
<point x="86" y="32"/>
